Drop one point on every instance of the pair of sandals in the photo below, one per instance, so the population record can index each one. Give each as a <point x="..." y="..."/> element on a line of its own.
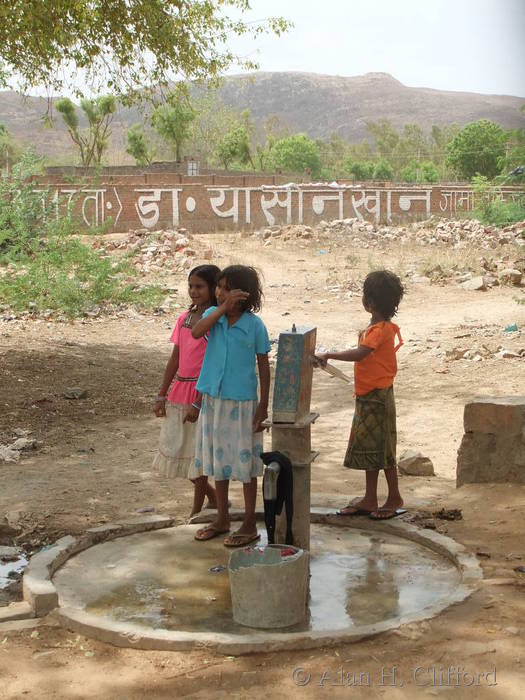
<point x="353" y="509"/>
<point x="236" y="539"/>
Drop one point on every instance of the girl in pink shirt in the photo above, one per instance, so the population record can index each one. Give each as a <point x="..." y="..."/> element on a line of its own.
<point x="180" y="404"/>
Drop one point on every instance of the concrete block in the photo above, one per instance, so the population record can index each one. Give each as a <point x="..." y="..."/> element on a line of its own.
<point x="40" y="594"/>
<point x="16" y="611"/>
<point x="495" y="415"/>
<point x="493" y="446"/>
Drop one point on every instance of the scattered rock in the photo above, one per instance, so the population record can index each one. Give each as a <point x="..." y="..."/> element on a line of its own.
<point x="415" y="464"/>
<point x="475" y="284"/>
<point x="8" y="554"/>
<point x="75" y="392"/>
<point x="511" y="276"/>
<point x="23" y="443"/>
<point x="9" y="455"/>
<point x="448" y="514"/>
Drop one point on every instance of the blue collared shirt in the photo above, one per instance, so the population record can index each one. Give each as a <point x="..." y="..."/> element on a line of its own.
<point x="228" y="369"/>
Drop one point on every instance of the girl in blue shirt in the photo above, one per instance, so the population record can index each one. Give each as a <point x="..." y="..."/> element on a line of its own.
<point x="229" y="439"/>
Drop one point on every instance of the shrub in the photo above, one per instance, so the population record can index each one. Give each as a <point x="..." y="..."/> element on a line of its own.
<point x="43" y="265"/>
<point x="489" y="208"/>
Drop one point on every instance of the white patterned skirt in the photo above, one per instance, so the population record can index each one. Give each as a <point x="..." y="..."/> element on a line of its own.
<point x="176" y="453"/>
<point x="226" y="446"/>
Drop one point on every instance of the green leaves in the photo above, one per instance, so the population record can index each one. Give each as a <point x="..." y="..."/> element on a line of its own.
<point x="137" y="145"/>
<point x="122" y="45"/>
<point x="92" y="142"/>
<point x="296" y="154"/>
<point x="172" y="121"/>
<point x="478" y="149"/>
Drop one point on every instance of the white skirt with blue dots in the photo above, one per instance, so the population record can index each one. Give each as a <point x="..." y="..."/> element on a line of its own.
<point x="226" y="446"/>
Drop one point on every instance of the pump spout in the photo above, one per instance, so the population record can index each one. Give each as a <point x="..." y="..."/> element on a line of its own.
<point x="270" y="477"/>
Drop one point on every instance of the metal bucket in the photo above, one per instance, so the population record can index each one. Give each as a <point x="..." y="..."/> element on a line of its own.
<point x="269" y="586"/>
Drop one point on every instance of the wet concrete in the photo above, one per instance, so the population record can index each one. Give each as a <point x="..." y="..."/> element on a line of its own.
<point x="164" y="580"/>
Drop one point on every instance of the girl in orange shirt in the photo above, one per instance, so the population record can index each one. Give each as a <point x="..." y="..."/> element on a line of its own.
<point x="372" y="444"/>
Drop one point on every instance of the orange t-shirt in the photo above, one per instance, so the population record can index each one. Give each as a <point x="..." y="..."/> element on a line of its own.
<point x="378" y="369"/>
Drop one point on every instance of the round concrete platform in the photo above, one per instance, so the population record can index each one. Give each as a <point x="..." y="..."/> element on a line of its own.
<point x="163" y="590"/>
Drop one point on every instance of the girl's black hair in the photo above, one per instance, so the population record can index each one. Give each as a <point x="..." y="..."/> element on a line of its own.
<point x="210" y="274"/>
<point x="382" y="291"/>
<point x="247" y="279"/>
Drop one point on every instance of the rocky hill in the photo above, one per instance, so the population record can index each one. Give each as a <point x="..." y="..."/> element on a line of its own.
<point x="314" y="104"/>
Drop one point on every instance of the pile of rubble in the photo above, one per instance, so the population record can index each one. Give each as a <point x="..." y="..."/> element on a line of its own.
<point x="434" y="231"/>
<point x="482" y="352"/>
<point x="450" y="234"/>
<point x="22" y="442"/>
<point x="154" y="251"/>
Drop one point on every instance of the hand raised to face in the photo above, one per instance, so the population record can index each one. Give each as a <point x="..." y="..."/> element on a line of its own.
<point x="234" y="298"/>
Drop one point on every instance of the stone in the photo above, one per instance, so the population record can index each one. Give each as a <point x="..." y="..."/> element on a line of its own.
<point x="24" y="443"/>
<point x="414" y="463"/>
<point x="7" y="454"/>
<point x="475" y="284"/>
<point x="9" y="554"/>
<point x="510" y="275"/>
<point x="505" y="354"/>
<point x="75" y="392"/>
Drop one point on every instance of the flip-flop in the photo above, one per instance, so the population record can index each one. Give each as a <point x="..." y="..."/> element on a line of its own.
<point x="386" y="513"/>
<point x="208" y="533"/>
<point x="357" y="511"/>
<point x="239" y="539"/>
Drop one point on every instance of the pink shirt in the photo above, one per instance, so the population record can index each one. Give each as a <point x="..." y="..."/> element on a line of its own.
<point x="191" y="355"/>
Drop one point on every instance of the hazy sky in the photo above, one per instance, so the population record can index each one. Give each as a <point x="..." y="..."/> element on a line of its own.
<point x="461" y="45"/>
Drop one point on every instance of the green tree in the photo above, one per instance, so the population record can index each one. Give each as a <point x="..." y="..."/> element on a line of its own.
<point x="137" y="145"/>
<point x="440" y="136"/>
<point x="386" y="137"/>
<point x="10" y="151"/>
<point x="296" y="154"/>
<point x="333" y="154"/>
<point x="412" y="146"/>
<point x="93" y="141"/>
<point x="429" y="172"/>
<point x="360" y="169"/>
<point x="383" y="170"/>
<point x="420" y="172"/>
<point x="273" y="130"/>
<point x="235" y="144"/>
<point x="410" y="173"/>
<point x="479" y="148"/>
<point x="172" y="120"/>
<point x="515" y="153"/>
<point x="212" y="121"/>
<point x="123" y="46"/>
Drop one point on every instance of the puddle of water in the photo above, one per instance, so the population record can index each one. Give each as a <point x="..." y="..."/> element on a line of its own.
<point x="9" y="568"/>
<point x="163" y="580"/>
<point x="10" y="582"/>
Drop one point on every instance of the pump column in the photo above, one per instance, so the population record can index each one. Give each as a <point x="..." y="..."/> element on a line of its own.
<point x="291" y="424"/>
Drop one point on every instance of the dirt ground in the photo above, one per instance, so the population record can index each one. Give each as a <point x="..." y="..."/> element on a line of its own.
<point x="93" y="457"/>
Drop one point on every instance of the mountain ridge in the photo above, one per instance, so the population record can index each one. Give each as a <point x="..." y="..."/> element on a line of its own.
<point x="311" y="103"/>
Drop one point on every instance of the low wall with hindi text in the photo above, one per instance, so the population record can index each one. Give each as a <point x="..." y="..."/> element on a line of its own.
<point x="213" y="203"/>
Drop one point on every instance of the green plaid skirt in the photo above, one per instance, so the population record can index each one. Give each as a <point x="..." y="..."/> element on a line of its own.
<point x="373" y="437"/>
